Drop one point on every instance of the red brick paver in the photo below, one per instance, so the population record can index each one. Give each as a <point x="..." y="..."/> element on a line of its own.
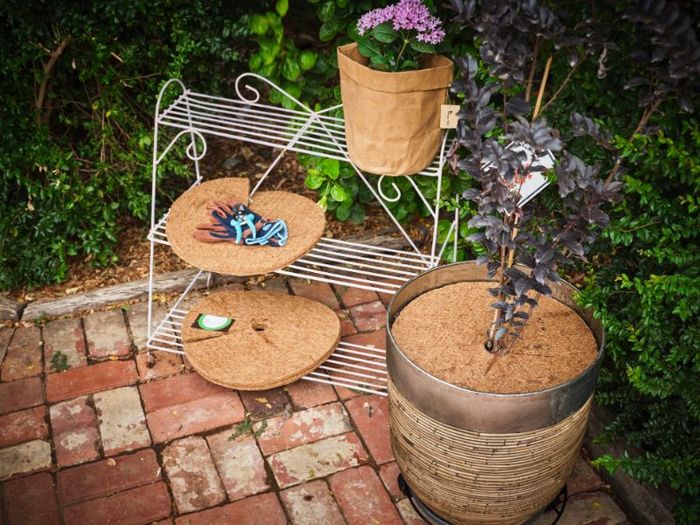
<point x="193" y="477"/>
<point x="136" y="444"/>
<point x="369" y="317"/>
<point x="176" y="391"/>
<point x="583" y="479"/>
<point x="320" y="292"/>
<point x="5" y="337"/>
<point x="31" y="500"/>
<point x="389" y="473"/>
<point x="346" y="326"/>
<point x="264" y="508"/>
<point x="64" y="336"/>
<point x="108" y="476"/>
<point x="371" y="416"/>
<point x="312" y="504"/>
<point x="26" y="425"/>
<point x="195" y="416"/>
<point x="86" y="380"/>
<point x="17" y="395"/>
<point x="106" y="334"/>
<point x="307" y="426"/>
<point x="31" y="456"/>
<point x="308" y="394"/>
<point x="240" y="464"/>
<point x="133" y="507"/>
<point x="410" y="516"/>
<point x="23" y="358"/>
<point x="121" y="420"/>
<point x="164" y="364"/>
<point x="75" y="432"/>
<point x="363" y="498"/>
<point x="262" y="404"/>
<point x="353" y="296"/>
<point x="317" y="460"/>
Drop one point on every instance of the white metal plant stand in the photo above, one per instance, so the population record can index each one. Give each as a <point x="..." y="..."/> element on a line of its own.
<point x="194" y="116"/>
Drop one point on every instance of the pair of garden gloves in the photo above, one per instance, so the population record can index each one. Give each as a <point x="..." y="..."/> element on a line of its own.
<point x="234" y="222"/>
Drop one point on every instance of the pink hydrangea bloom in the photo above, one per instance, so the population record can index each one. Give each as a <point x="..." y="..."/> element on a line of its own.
<point x="373" y="18"/>
<point x="407" y="15"/>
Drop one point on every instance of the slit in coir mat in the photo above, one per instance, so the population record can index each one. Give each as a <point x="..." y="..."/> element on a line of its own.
<point x="253" y="340"/>
<point x="304" y="218"/>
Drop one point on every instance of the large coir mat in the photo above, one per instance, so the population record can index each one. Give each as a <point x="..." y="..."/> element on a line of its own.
<point x="305" y="223"/>
<point x="274" y="339"/>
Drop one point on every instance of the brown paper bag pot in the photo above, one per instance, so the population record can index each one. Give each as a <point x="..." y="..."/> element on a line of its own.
<point x="392" y="120"/>
<point x="305" y="220"/>
<point x="274" y="340"/>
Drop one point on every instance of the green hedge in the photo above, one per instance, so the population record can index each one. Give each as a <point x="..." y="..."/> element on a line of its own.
<point x="646" y="289"/>
<point x="74" y="169"/>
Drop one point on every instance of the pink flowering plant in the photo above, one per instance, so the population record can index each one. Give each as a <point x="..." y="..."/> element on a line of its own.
<point x="395" y="37"/>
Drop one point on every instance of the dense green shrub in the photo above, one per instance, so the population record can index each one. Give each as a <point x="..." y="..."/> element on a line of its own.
<point x="73" y="168"/>
<point x="646" y="289"/>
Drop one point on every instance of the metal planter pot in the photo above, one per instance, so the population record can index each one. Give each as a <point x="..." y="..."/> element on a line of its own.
<point x="477" y="458"/>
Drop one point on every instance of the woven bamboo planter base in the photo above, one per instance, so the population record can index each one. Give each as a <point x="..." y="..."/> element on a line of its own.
<point x="477" y="478"/>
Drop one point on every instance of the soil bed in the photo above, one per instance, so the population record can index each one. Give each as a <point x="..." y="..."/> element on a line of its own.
<point x="443" y="331"/>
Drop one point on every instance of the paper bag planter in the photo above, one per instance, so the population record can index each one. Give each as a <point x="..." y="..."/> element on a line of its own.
<point x="392" y="120"/>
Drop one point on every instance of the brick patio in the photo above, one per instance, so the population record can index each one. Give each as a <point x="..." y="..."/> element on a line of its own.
<point x="110" y="440"/>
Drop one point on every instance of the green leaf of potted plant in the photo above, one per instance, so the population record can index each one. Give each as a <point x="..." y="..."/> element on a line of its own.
<point x="392" y="84"/>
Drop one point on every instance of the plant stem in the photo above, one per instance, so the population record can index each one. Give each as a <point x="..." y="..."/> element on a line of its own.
<point x="563" y="85"/>
<point x="403" y="48"/>
<point x="53" y="58"/>
<point x="492" y="344"/>
<point x="648" y="112"/>
<point x="533" y="69"/>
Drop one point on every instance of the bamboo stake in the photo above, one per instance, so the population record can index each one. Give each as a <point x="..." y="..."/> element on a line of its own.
<point x="538" y="104"/>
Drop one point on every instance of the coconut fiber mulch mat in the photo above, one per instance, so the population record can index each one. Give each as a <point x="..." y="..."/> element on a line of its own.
<point x="252" y="340"/>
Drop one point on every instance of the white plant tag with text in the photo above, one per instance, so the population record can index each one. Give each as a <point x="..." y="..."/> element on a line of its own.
<point x="529" y="186"/>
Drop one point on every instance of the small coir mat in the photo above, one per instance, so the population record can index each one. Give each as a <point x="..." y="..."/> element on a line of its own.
<point x="272" y="339"/>
<point x="305" y="222"/>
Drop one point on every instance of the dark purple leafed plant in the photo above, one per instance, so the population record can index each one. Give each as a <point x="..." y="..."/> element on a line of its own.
<point x="524" y="252"/>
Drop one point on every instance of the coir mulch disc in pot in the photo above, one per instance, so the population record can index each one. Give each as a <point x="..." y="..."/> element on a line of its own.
<point x="304" y="218"/>
<point x="251" y="340"/>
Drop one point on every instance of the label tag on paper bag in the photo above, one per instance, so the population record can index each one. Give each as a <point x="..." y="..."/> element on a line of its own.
<point x="448" y="116"/>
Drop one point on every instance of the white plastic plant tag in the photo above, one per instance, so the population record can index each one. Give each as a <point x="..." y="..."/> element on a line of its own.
<point x="448" y="116"/>
<point x="528" y="187"/>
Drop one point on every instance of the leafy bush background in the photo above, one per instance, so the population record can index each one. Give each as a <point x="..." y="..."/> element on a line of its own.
<point x="69" y="180"/>
<point x="68" y="184"/>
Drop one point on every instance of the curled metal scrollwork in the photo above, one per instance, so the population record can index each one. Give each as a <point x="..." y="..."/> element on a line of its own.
<point x="384" y="196"/>
<point x="191" y="149"/>
<point x="240" y="83"/>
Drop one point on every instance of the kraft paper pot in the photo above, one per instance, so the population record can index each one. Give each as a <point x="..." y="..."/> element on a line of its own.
<point x="392" y="120"/>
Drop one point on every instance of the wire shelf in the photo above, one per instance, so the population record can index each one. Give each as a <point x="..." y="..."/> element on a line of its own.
<point x="292" y="130"/>
<point x="193" y="116"/>
<point x="353" y="366"/>
<point x="346" y="263"/>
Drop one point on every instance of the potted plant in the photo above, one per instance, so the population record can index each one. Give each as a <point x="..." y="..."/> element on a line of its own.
<point x="392" y="84"/>
<point x="492" y="364"/>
